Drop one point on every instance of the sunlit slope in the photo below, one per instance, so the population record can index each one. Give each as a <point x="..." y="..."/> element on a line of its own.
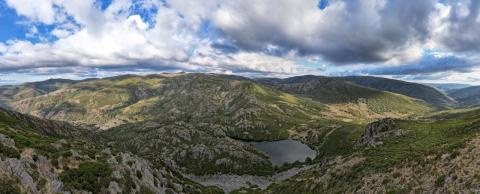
<point x="347" y="100"/>
<point x="246" y="108"/>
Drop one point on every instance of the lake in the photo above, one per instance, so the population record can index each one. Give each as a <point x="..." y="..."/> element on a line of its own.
<point x="284" y="151"/>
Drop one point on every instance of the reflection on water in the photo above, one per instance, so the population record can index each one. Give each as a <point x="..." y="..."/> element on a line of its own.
<point x="284" y="151"/>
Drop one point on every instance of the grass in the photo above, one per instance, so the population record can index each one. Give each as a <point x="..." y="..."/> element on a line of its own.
<point x="421" y="138"/>
<point x="435" y="136"/>
<point x="390" y="102"/>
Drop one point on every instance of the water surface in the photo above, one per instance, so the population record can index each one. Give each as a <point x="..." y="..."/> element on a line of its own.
<point x="284" y="151"/>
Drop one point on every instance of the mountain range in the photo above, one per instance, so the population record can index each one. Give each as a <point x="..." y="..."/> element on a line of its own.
<point x="186" y="133"/>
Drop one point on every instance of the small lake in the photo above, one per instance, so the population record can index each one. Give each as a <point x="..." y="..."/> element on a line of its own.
<point x="284" y="151"/>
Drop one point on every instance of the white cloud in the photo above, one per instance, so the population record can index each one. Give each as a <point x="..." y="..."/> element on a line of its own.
<point x="268" y="36"/>
<point x="106" y="39"/>
<point x="61" y="33"/>
<point x="37" y="11"/>
<point x="3" y="47"/>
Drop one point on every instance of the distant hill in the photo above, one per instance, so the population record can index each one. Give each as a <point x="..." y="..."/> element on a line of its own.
<point x="448" y="87"/>
<point x="343" y="95"/>
<point x="467" y="96"/>
<point x="414" y="90"/>
<point x="17" y="92"/>
<point x="250" y="110"/>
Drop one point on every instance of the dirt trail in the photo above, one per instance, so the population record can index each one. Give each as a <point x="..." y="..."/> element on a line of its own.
<point x="327" y="135"/>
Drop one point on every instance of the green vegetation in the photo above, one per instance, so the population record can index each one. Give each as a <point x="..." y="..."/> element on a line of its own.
<point x="90" y="176"/>
<point x="8" y="187"/>
<point x="9" y="152"/>
<point x="146" y="190"/>
<point x="440" y="181"/>
<point x="194" y="119"/>
<point x="413" y="90"/>
<point x="329" y="90"/>
<point x="435" y="136"/>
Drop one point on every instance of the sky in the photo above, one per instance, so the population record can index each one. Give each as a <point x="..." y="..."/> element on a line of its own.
<point x="431" y="41"/>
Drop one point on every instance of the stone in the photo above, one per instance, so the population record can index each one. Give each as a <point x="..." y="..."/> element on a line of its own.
<point x="7" y="141"/>
<point x="114" y="188"/>
<point x="376" y="131"/>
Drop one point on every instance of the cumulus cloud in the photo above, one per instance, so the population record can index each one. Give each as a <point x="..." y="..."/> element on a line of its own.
<point x="37" y="11"/>
<point x="343" y="32"/>
<point x="383" y="37"/>
<point x="458" y="26"/>
<point x="118" y="37"/>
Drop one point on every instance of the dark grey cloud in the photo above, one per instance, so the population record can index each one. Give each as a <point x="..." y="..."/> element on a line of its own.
<point x="343" y="32"/>
<point x="462" y="28"/>
<point x="427" y="65"/>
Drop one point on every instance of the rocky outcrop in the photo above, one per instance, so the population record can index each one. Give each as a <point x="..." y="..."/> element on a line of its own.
<point x="375" y="132"/>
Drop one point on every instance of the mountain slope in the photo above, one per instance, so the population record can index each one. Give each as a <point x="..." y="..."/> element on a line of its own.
<point x="185" y="121"/>
<point x="343" y="96"/>
<point x="467" y="96"/>
<point x="43" y="156"/>
<point x="247" y="109"/>
<point x="414" y="90"/>
<point x="10" y="93"/>
<point x="432" y="155"/>
<point x="446" y="87"/>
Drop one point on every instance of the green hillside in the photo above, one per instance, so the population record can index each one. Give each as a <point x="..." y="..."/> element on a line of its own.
<point x="354" y="100"/>
<point x="419" y="91"/>
<point x="469" y="96"/>
<point x="147" y="133"/>
<point x="415" y="161"/>
<point x="247" y="109"/>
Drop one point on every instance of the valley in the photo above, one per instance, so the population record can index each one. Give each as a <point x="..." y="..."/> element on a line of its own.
<point x="213" y="133"/>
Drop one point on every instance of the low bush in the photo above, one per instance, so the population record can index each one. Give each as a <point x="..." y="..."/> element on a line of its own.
<point x="90" y="176"/>
<point x="9" y="152"/>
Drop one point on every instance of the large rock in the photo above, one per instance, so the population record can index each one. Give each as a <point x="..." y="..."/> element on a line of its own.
<point x="375" y="132"/>
<point x="7" y="141"/>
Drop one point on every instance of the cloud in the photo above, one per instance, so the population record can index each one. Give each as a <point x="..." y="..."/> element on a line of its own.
<point x="244" y="36"/>
<point x="429" y="64"/>
<point x="37" y="11"/>
<point x="343" y="32"/>
<point x="458" y="26"/>
<point x="119" y="38"/>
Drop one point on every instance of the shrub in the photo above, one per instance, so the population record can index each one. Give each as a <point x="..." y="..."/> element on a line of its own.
<point x="9" y="152"/>
<point x="8" y="187"/>
<point x="90" y="176"/>
<point x="66" y="154"/>
<point x="55" y="163"/>
<point x="35" y="157"/>
<point x="145" y="190"/>
<point x="41" y="183"/>
<point x="139" y="174"/>
<point x="440" y="181"/>
<point x="396" y="174"/>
